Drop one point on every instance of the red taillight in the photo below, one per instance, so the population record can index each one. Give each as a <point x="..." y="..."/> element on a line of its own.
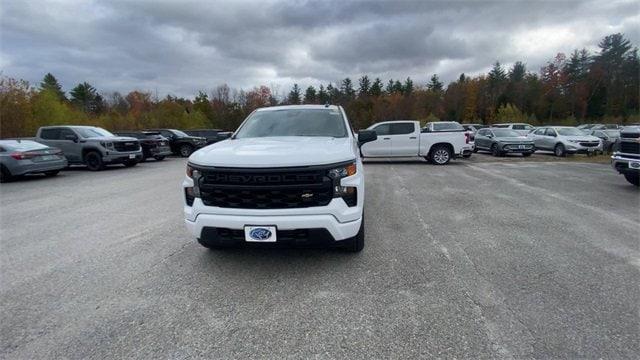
<point x="466" y="137"/>
<point x="22" y="155"/>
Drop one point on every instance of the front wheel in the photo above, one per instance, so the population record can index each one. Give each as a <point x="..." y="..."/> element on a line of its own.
<point x="93" y="160"/>
<point x="440" y="155"/>
<point x="633" y="179"/>
<point x="159" y="158"/>
<point x="356" y="243"/>
<point x="560" y="151"/>
<point x="185" y="150"/>
<point x="5" y="175"/>
<point x="495" y="151"/>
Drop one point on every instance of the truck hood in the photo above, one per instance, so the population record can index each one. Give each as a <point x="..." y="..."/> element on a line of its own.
<point x="275" y="152"/>
<point x="111" y="138"/>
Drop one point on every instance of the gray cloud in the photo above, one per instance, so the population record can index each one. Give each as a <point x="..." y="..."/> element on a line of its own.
<point x="181" y="47"/>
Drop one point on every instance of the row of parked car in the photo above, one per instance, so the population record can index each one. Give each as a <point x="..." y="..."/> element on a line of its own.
<point x="500" y="139"/>
<point x="56" y="147"/>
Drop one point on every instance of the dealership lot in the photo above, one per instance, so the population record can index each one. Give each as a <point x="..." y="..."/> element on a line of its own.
<point x="476" y="259"/>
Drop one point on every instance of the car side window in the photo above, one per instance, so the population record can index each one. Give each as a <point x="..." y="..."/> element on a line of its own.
<point x="402" y="128"/>
<point x="166" y="133"/>
<point x="518" y="127"/>
<point x="382" y="129"/>
<point x="483" y="132"/>
<point x="540" y="131"/>
<point x="528" y="127"/>
<point x="550" y="132"/>
<point x="66" y="132"/>
<point x="50" y="134"/>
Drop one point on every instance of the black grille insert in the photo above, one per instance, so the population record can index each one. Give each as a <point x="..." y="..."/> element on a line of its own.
<point x="275" y="188"/>
<point x="630" y="147"/>
<point x="126" y="145"/>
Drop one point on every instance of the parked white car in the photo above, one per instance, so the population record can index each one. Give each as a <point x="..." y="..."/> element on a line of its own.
<point x="520" y="128"/>
<point x="563" y="140"/>
<point x="438" y="142"/>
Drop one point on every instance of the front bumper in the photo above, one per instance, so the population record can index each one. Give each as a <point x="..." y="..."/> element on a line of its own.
<point x="338" y="219"/>
<point x="620" y="162"/>
<point x="515" y="148"/>
<point x="574" y="148"/>
<point x="114" y="157"/>
<point x="160" y="151"/>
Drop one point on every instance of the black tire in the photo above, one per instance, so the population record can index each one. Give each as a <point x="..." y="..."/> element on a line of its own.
<point x="130" y="163"/>
<point x="5" y="175"/>
<point x="559" y="150"/>
<point x="633" y="179"/>
<point x="51" y="173"/>
<point x="144" y="158"/>
<point x="475" y="149"/>
<point x="440" y="155"/>
<point x="356" y="243"/>
<point x="93" y="160"/>
<point x="466" y="156"/>
<point x="159" y="158"/>
<point x="495" y="151"/>
<point x="526" y="154"/>
<point x="185" y="150"/>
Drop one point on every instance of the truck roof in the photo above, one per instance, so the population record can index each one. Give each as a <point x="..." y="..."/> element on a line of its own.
<point x="298" y="107"/>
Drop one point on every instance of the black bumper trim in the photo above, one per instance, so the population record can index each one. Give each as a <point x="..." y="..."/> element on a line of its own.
<point x="316" y="237"/>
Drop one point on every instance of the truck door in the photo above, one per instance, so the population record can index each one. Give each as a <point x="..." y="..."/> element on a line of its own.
<point x="380" y="147"/>
<point x="55" y="137"/>
<point x="404" y="139"/>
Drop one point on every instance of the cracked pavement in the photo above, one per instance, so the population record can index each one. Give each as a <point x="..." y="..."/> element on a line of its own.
<point x="470" y="260"/>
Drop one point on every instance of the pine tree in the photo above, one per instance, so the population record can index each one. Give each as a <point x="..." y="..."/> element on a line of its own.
<point x="346" y="88"/>
<point x="294" y="95"/>
<point x="435" y="84"/>
<point x="376" y="87"/>
<point x="390" y="88"/>
<point x="364" y="86"/>
<point x="310" y="95"/>
<point x="408" y="86"/>
<point x="323" y="97"/>
<point x="517" y="72"/>
<point x="50" y="83"/>
<point x="86" y="97"/>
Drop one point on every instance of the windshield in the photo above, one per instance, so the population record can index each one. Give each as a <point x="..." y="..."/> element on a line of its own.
<point x="612" y="133"/>
<point x="505" y="133"/>
<point x="92" y="132"/>
<point x="294" y="122"/>
<point x="179" y="133"/>
<point x="569" y="132"/>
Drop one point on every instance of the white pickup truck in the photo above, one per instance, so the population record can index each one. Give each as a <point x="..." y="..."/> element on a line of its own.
<point x="437" y="142"/>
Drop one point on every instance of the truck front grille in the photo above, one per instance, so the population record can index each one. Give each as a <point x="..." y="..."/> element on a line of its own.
<point x="630" y="147"/>
<point x="126" y="145"/>
<point x="276" y="188"/>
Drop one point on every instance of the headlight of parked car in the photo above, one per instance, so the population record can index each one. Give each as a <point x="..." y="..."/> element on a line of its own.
<point x="347" y="193"/>
<point x="107" y="145"/>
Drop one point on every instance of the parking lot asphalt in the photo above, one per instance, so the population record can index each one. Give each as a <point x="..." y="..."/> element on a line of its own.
<point x="476" y="259"/>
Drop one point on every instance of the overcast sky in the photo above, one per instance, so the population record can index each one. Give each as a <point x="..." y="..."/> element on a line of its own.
<point x="180" y="47"/>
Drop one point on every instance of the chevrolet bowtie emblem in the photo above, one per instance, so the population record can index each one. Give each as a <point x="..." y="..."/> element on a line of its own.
<point x="307" y="195"/>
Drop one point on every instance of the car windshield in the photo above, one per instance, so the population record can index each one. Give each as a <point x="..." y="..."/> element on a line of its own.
<point x="179" y="133"/>
<point x="22" y="145"/>
<point x="294" y="122"/>
<point x="505" y="133"/>
<point x="613" y="133"/>
<point x="569" y="132"/>
<point x="92" y="132"/>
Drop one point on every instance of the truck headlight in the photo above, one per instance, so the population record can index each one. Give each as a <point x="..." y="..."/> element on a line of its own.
<point x="107" y="145"/>
<point x="347" y="193"/>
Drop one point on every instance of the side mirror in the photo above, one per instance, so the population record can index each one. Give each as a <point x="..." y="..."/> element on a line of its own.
<point x="365" y="136"/>
<point x="73" y="138"/>
<point x="224" y="135"/>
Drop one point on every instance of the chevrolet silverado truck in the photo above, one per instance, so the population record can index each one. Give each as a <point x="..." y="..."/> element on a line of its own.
<point x="438" y="142"/>
<point x="92" y="146"/>
<point x="290" y="175"/>
<point x="626" y="159"/>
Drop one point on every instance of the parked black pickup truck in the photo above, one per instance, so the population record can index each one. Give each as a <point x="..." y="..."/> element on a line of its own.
<point x="181" y="143"/>
<point x="153" y="144"/>
<point x="626" y="158"/>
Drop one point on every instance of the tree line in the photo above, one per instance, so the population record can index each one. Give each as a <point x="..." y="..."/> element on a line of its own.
<point x="583" y="87"/>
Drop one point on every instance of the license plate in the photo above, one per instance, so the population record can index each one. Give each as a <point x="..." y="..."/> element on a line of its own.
<point x="48" y="157"/>
<point x="132" y="156"/>
<point x="634" y="164"/>
<point x="521" y="146"/>
<point x="591" y="149"/>
<point x="260" y="233"/>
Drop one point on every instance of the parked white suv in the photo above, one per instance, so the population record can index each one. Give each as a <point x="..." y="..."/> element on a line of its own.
<point x="563" y="140"/>
<point x="289" y="175"/>
<point x="520" y="128"/>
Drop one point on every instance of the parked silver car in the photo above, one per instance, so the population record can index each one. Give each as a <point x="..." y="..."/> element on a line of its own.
<point x="22" y="157"/>
<point x="503" y="141"/>
<point x="563" y="140"/>
<point x="520" y="128"/>
<point x="609" y="137"/>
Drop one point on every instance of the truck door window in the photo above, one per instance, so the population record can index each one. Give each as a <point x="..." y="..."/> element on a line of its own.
<point x="50" y="134"/>
<point x="382" y="129"/>
<point x="402" y="128"/>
